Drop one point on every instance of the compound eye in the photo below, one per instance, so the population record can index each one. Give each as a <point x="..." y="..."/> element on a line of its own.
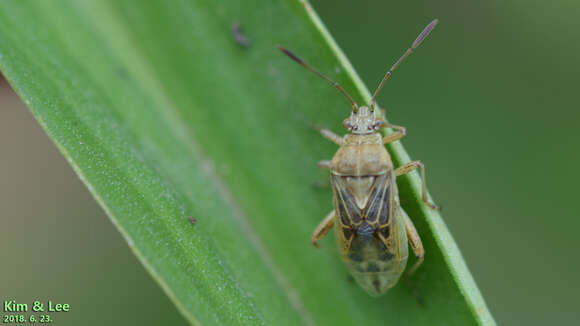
<point x="346" y="124"/>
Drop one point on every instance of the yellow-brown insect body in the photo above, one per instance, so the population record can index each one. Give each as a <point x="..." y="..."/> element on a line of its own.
<point x="372" y="229"/>
<point x="370" y="233"/>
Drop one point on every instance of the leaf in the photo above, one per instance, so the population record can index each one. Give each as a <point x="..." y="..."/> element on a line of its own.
<point x="164" y="116"/>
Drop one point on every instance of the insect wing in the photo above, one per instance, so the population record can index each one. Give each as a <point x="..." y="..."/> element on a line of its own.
<point x="384" y="212"/>
<point x="381" y="205"/>
<point x="345" y="203"/>
<point x="349" y="215"/>
<point x="382" y="209"/>
<point x="379" y="213"/>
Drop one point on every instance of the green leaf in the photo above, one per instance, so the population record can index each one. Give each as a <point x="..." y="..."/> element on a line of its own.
<point x="164" y="116"/>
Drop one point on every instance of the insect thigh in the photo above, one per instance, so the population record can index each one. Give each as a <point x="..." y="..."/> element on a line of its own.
<point x="322" y="229"/>
<point x="414" y="241"/>
<point x="406" y="168"/>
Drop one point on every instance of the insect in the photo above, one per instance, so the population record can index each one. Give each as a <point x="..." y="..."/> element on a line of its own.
<point x="372" y="229"/>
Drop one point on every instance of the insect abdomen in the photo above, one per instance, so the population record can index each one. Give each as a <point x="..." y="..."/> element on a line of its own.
<point x="375" y="267"/>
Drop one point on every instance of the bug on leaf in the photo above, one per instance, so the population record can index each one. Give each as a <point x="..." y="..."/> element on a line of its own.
<point x="372" y="229"/>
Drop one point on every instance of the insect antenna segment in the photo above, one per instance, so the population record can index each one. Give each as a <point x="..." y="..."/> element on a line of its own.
<point x="317" y="73"/>
<point x="410" y="50"/>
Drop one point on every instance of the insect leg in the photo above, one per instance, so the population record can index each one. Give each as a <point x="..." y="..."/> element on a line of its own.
<point x="332" y="137"/>
<point x="410" y="167"/>
<point x="398" y="134"/>
<point x="414" y="241"/>
<point x="322" y="229"/>
<point x="324" y="164"/>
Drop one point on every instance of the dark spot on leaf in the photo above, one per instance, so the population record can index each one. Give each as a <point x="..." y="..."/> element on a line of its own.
<point x="240" y="38"/>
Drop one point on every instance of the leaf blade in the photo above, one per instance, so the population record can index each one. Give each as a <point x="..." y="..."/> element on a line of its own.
<point x="169" y="152"/>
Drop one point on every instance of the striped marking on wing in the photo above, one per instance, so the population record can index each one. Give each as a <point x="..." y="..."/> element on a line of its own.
<point x="346" y="208"/>
<point x="381" y="209"/>
<point x="381" y="203"/>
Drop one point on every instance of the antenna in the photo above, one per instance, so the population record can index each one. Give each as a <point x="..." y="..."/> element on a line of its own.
<point x="415" y="44"/>
<point x="335" y="84"/>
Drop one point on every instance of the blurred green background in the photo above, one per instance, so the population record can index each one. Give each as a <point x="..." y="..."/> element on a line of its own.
<point x="491" y="104"/>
